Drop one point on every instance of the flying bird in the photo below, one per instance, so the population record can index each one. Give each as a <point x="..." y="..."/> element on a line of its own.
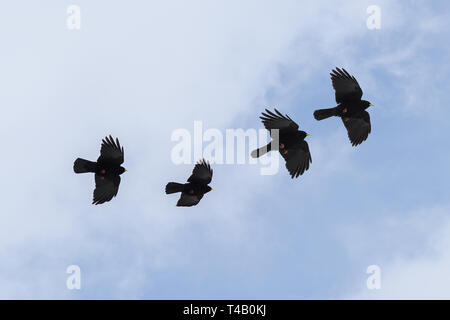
<point x="350" y="108"/>
<point x="193" y="191"/>
<point x="291" y="144"/>
<point x="107" y="170"/>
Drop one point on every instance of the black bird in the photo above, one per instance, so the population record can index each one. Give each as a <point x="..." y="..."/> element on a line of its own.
<point x="193" y="191"/>
<point x="291" y="144"/>
<point x="107" y="170"/>
<point x="351" y="108"/>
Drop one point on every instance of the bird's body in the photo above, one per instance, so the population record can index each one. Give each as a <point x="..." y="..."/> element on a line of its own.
<point x="291" y="142"/>
<point x="100" y="168"/>
<point x="107" y="170"/>
<point x="196" y="187"/>
<point x="351" y="109"/>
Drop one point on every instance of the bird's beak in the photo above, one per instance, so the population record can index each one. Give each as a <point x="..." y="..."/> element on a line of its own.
<point x="212" y="189"/>
<point x="370" y="105"/>
<point x="126" y="170"/>
<point x="307" y="134"/>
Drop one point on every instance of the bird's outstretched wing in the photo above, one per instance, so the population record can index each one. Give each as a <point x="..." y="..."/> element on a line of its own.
<point x="106" y="188"/>
<point x="297" y="158"/>
<point x="111" y="151"/>
<point x="358" y="127"/>
<point x="278" y="121"/>
<point x="202" y="173"/>
<point x="346" y="87"/>
<point x="188" y="200"/>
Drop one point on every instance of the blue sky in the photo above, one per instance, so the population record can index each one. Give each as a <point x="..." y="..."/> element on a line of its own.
<point x="142" y="69"/>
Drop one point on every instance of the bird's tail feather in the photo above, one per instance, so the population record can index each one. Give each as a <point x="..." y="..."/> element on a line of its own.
<point x="325" y="113"/>
<point x="261" y="151"/>
<point x="82" y="166"/>
<point x="173" y="187"/>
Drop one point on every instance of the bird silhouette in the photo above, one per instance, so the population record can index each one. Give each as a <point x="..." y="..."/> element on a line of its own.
<point x="107" y="170"/>
<point x="291" y="142"/>
<point x="351" y="109"/>
<point x="193" y="191"/>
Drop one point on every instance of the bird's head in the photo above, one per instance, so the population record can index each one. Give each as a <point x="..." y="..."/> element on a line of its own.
<point x="366" y="104"/>
<point x="303" y="134"/>
<point x="122" y="170"/>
